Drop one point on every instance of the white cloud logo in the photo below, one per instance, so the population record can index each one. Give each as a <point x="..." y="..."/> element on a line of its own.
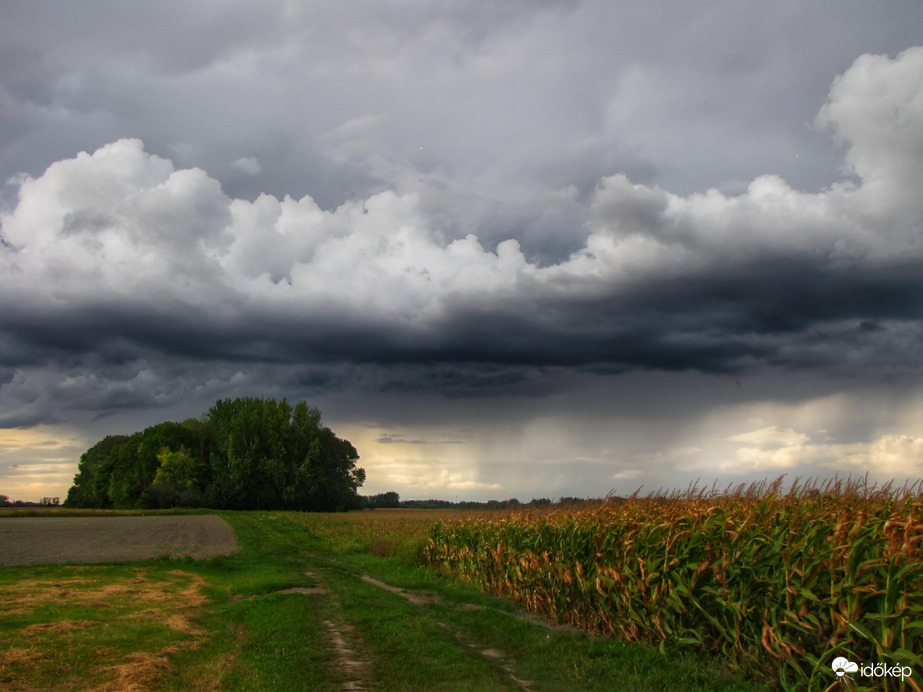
<point x="842" y="665"/>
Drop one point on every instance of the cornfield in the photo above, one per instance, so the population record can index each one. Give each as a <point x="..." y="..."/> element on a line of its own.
<point x="777" y="584"/>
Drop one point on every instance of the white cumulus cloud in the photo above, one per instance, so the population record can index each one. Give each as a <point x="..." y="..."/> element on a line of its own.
<point x="125" y="222"/>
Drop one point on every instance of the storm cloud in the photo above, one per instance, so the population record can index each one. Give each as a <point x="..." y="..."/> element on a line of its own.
<point x="369" y="204"/>
<point x="120" y="245"/>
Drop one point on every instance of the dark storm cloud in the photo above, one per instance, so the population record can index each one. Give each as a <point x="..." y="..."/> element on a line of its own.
<point x="501" y="204"/>
<point x="729" y="320"/>
<point x="119" y="253"/>
<point x="548" y="248"/>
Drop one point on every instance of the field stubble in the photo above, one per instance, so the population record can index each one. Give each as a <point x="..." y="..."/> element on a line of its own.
<point x="55" y="539"/>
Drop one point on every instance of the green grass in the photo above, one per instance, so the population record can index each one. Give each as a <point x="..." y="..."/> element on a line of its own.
<point x="279" y="645"/>
<point x="407" y="647"/>
<point x="228" y="623"/>
<point x="260" y="639"/>
<point x="465" y="622"/>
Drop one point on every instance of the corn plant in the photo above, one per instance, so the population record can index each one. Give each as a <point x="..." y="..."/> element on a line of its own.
<point x="776" y="584"/>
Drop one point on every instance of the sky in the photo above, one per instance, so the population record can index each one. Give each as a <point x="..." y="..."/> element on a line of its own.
<point x="517" y="249"/>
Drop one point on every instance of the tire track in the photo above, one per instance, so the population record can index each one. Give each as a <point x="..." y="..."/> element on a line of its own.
<point x="340" y="636"/>
<point x="495" y="656"/>
<point x="349" y="662"/>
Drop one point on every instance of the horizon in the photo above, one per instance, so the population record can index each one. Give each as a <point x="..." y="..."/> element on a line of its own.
<point x="695" y="490"/>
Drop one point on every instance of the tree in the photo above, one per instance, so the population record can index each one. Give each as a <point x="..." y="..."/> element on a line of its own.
<point x="178" y="469"/>
<point x="245" y="453"/>
<point x="178" y="481"/>
<point x="334" y="477"/>
<point x="248" y="452"/>
<point x="389" y="499"/>
<point x="124" y="487"/>
<point x="94" y="472"/>
<point x="267" y="454"/>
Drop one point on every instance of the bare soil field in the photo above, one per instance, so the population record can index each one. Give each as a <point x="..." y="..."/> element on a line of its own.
<point x="45" y="540"/>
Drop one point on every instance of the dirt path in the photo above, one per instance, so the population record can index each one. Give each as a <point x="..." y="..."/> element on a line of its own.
<point x="419" y="598"/>
<point x="45" y="540"/>
<point x="343" y="639"/>
<point x="349" y="661"/>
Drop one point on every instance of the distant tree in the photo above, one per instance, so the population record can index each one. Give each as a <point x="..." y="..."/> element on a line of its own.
<point x="4" y="500"/>
<point x="570" y="501"/>
<point x="384" y="500"/>
<point x="124" y="487"/>
<point x="50" y="501"/>
<point x="172" y="437"/>
<point x="244" y="453"/>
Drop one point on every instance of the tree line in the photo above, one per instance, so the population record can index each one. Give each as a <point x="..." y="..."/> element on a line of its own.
<point x="245" y="453"/>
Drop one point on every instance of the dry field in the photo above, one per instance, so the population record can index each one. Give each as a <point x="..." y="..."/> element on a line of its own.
<point x="56" y="540"/>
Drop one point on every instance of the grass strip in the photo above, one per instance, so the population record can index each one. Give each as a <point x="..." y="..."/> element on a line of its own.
<point x="468" y="622"/>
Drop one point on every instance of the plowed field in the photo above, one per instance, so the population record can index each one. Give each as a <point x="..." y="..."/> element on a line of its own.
<point x="44" y="540"/>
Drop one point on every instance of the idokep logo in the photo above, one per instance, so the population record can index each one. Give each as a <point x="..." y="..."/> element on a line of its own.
<point x="841" y="666"/>
<point x="844" y="667"/>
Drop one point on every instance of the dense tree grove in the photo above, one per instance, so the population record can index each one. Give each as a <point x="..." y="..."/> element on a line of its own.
<point x="243" y="454"/>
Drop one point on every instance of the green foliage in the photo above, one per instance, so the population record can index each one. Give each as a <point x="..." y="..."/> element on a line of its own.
<point x="179" y="469"/>
<point x="243" y="454"/>
<point x="91" y="484"/>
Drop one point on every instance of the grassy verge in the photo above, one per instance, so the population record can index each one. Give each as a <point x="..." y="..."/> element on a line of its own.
<point x="262" y="635"/>
<point x="388" y="545"/>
